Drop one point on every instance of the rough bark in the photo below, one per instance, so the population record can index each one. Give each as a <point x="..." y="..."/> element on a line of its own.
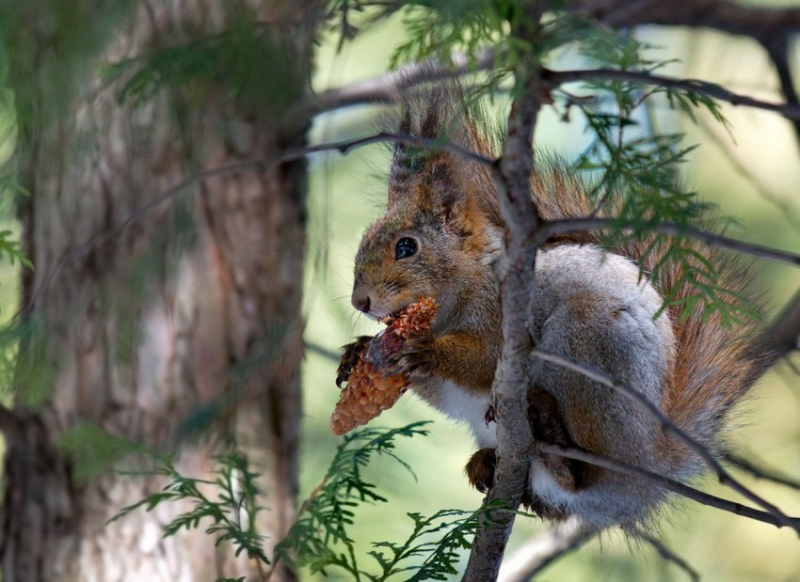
<point x="518" y="262"/>
<point x="139" y="333"/>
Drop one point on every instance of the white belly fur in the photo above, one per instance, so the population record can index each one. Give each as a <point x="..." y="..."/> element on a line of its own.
<point x="470" y="408"/>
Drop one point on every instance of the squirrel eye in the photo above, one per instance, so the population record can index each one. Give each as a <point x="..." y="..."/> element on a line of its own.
<point x="406" y="247"/>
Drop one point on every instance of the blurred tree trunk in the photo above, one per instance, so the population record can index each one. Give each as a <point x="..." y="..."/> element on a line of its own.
<point x="189" y="318"/>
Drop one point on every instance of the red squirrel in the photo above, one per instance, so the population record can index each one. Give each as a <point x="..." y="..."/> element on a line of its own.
<point x="440" y="236"/>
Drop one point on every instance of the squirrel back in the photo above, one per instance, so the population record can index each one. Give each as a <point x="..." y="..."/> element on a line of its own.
<point x="715" y="365"/>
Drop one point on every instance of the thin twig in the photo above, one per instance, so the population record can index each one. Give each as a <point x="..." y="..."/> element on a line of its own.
<point x="386" y="88"/>
<point x="544" y="549"/>
<point x="323" y="351"/>
<point x="690" y="85"/>
<point x="667" y="483"/>
<point x="780" y="337"/>
<point x="777" y="48"/>
<point x="261" y="165"/>
<point x="667" y="426"/>
<point x="740" y="168"/>
<point x="760" y="472"/>
<point x="583" y="224"/>
<point x="667" y="554"/>
<point x="742" y="18"/>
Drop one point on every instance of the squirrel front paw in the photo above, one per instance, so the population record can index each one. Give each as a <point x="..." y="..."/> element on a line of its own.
<point x="350" y="357"/>
<point x="414" y="359"/>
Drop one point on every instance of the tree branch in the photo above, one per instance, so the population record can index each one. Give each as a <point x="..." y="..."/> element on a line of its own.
<point x="780" y="337"/>
<point x="385" y="88"/>
<point x="668" y="554"/>
<point x="759" y="472"/>
<point x="778" y="50"/>
<point x="742" y="170"/>
<point x="757" y="22"/>
<point x="261" y="165"/>
<point x="670" y="484"/>
<point x="509" y="391"/>
<point x="669" y="427"/>
<point x="583" y="224"/>
<point x="790" y="111"/>
<point x="541" y="551"/>
<point x="771" y="27"/>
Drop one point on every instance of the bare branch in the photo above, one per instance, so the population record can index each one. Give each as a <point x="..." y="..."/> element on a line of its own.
<point x="780" y="337"/>
<point x="754" y="21"/>
<point x="669" y="484"/>
<point x="740" y="168"/>
<point x="323" y="351"/>
<point x="669" y="427"/>
<point x="712" y="90"/>
<point x="261" y="165"/>
<point x="583" y="224"/>
<point x="544" y="549"/>
<point x="760" y="472"/>
<point x="772" y="27"/>
<point x="509" y="391"/>
<point x="668" y="554"/>
<point x="778" y="50"/>
<point x="385" y="88"/>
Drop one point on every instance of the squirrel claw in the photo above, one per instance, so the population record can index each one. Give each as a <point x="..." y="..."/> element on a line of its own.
<point x="350" y="357"/>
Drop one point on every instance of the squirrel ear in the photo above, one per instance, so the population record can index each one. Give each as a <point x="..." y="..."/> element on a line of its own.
<point x="439" y="182"/>
<point x="406" y="159"/>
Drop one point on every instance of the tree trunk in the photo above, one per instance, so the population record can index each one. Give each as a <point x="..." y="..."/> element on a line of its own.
<point x="187" y="320"/>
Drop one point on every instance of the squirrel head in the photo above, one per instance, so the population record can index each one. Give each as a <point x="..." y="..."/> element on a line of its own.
<point x="442" y="228"/>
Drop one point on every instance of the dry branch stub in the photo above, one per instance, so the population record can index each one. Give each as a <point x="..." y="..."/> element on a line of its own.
<point x="370" y="389"/>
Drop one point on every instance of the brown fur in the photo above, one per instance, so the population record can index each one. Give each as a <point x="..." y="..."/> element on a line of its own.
<point x="462" y="355"/>
<point x="480" y="469"/>
<point x="713" y="368"/>
<point x="547" y="425"/>
<point x="451" y="203"/>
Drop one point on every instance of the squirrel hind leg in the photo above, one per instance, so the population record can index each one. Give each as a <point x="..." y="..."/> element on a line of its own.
<point x="480" y="469"/>
<point x="547" y="425"/>
<point x="480" y="472"/>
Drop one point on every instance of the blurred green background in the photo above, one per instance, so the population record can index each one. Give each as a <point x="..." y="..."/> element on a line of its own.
<point x="752" y="172"/>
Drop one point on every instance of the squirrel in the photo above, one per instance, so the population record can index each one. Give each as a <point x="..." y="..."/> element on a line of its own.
<point x="441" y="235"/>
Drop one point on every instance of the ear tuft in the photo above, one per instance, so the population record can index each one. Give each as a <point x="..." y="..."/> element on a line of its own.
<point x="433" y="179"/>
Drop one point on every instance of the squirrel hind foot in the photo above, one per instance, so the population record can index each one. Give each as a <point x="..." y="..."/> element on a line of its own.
<point x="480" y="469"/>
<point x="480" y="472"/>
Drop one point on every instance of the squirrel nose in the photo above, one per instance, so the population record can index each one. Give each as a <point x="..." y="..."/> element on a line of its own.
<point x="362" y="303"/>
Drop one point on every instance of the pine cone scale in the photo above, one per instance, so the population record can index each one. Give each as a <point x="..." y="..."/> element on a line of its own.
<point x="369" y="390"/>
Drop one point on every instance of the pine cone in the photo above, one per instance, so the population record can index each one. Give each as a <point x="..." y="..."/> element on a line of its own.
<point x="369" y="391"/>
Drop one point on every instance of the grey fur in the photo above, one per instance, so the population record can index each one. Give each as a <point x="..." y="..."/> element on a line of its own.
<point x="591" y="305"/>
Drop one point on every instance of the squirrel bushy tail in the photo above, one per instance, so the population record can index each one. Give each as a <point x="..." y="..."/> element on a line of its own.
<point x="715" y="364"/>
